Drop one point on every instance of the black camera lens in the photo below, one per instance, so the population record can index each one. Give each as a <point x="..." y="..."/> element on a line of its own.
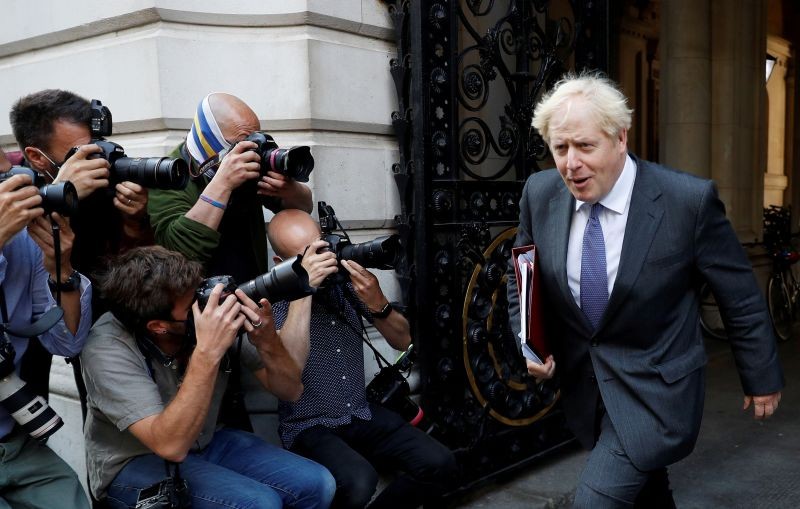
<point x="61" y="198"/>
<point x="379" y="253"/>
<point x="288" y="281"/>
<point x="152" y="172"/>
<point x="296" y="162"/>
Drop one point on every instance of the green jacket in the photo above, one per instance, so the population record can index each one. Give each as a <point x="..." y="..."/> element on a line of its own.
<point x="239" y="248"/>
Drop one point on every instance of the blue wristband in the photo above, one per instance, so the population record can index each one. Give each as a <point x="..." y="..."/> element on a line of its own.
<point x="213" y="202"/>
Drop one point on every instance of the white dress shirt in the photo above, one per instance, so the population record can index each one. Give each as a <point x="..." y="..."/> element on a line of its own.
<point x="613" y="218"/>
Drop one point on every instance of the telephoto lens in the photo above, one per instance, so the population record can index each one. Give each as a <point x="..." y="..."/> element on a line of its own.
<point x="30" y="410"/>
<point x="288" y="281"/>
<point x="152" y="172"/>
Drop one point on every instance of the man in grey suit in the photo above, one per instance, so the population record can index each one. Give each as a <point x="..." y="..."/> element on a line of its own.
<point x="624" y="245"/>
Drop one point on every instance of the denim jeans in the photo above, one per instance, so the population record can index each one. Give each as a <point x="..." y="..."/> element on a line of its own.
<point x="236" y="470"/>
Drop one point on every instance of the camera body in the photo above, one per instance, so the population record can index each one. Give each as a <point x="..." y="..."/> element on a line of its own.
<point x="390" y="389"/>
<point x="295" y="163"/>
<point x="380" y="253"/>
<point x="29" y="409"/>
<point x="60" y="197"/>
<point x="152" y="172"/>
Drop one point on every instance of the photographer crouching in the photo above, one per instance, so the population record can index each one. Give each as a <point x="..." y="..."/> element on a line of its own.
<point x="332" y="422"/>
<point x="156" y="368"/>
<point x="35" y="273"/>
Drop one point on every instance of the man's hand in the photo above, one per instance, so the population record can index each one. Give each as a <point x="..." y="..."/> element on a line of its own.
<point x="18" y="207"/>
<point x="763" y="406"/>
<point x="87" y="175"/>
<point x="41" y="231"/>
<point x="366" y="285"/>
<point x="131" y="200"/>
<point x="217" y="325"/>
<point x="259" y="323"/>
<point x="238" y="166"/>
<point x="293" y="194"/>
<point x="319" y="265"/>
<point x="542" y="371"/>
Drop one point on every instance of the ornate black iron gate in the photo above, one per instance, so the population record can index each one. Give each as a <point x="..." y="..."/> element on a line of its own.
<point x="468" y="74"/>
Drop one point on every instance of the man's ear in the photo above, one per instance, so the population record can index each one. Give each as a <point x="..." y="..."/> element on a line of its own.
<point x="36" y="159"/>
<point x="623" y="139"/>
<point x="156" y="327"/>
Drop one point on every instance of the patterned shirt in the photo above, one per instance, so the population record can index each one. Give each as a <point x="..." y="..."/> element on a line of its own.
<point x="333" y="378"/>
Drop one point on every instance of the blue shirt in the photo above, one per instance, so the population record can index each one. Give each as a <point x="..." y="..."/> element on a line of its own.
<point x="24" y="282"/>
<point x="333" y="378"/>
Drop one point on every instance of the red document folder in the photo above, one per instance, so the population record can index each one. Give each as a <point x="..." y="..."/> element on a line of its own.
<point x="530" y="298"/>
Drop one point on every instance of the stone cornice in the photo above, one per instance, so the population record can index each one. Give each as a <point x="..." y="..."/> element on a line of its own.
<point x="266" y="17"/>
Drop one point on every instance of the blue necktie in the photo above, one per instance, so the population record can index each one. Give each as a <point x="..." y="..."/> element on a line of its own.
<point x="594" y="281"/>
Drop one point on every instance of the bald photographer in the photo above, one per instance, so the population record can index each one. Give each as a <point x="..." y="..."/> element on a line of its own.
<point x="332" y="422"/>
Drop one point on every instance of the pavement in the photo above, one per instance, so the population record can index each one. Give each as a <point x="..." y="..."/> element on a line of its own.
<point x="738" y="462"/>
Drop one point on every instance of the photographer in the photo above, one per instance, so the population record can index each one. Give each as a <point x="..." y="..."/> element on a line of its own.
<point x="154" y="395"/>
<point x="332" y="422"/>
<point x="47" y="125"/>
<point x="218" y="219"/>
<point x="32" y="475"/>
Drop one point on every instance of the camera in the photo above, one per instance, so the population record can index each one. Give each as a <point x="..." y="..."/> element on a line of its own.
<point x="380" y="253"/>
<point x="152" y="172"/>
<point x="166" y="494"/>
<point x="295" y="163"/>
<point x="390" y="389"/>
<point x="60" y="197"/>
<point x="288" y="281"/>
<point x="30" y="410"/>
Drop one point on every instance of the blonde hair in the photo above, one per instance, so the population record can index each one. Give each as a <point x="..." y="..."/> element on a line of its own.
<point x="609" y="105"/>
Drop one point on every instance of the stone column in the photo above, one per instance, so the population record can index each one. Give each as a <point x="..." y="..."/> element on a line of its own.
<point x="685" y="108"/>
<point x="775" y="178"/>
<point x="738" y="46"/>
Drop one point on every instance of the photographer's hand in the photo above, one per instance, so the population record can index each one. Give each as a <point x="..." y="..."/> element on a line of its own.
<point x="41" y="231"/>
<point x="393" y="327"/>
<point x="366" y="285"/>
<point x="216" y="325"/>
<point x="237" y="167"/>
<point x="319" y="263"/>
<point x="131" y="200"/>
<point x="18" y="207"/>
<point x="293" y="194"/>
<point x="87" y="175"/>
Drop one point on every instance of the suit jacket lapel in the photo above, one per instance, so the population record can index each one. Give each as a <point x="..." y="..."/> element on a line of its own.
<point x="644" y="217"/>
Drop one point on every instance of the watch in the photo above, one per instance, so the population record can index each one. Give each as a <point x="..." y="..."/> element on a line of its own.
<point x="383" y="313"/>
<point x="72" y="283"/>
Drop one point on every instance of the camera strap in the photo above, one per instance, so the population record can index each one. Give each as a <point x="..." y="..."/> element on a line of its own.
<point x="45" y="322"/>
<point x="353" y="301"/>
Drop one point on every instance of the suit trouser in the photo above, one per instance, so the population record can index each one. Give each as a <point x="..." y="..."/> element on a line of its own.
<point x="610" y="480"/>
